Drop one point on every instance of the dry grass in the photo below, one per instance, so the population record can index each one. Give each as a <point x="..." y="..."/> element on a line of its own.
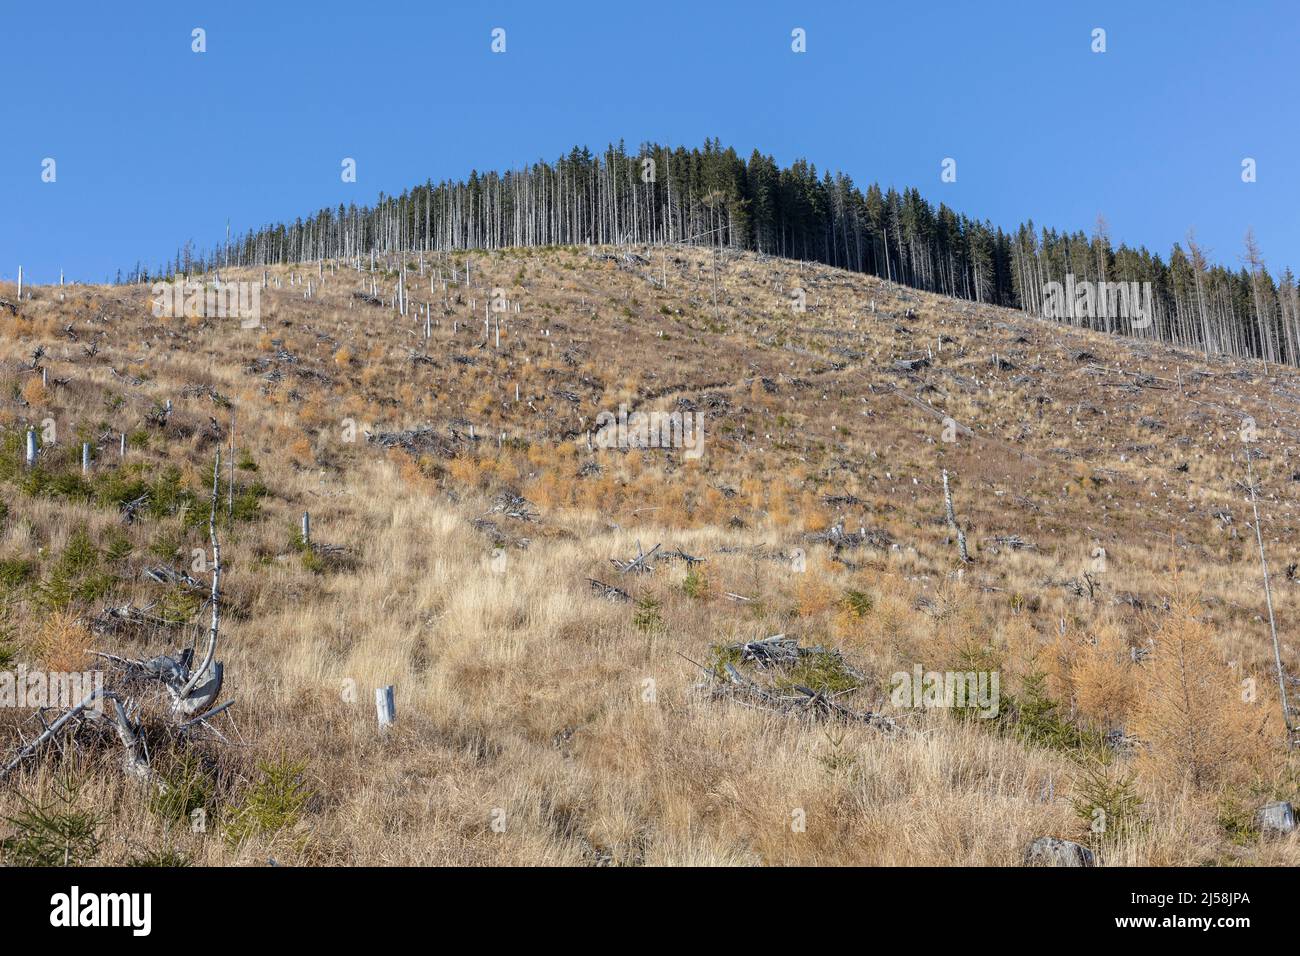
<point x="539" y="724"/>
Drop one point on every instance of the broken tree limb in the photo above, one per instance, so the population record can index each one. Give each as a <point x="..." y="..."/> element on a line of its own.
<point x="680" y="555"/>
<point x="210" y="690"/>
<point x="952" y="520"/>
<point x="134" y="761"/>
<point x="204" y="718"/>
<point x="51" y="731"/>
<point x="937" y="413"/>
<point x="608" y="591"/>
<point x="638" y="564"/>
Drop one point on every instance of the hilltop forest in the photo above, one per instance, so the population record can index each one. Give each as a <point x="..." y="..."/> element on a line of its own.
<point x="711" y="196"/>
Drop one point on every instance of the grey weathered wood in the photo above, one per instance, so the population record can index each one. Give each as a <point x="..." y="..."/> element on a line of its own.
<point x="230" y="488"/>
<point x="639" y="564"/>
<point x="1268" y="598"/>
<point x="212" y="685"/>
<point x="50" y="732"/>
<point x="1049" y="851"/>
<point x="952" y="519"/>
<point x="386" y="706"/>
<point x="133" y="758"/>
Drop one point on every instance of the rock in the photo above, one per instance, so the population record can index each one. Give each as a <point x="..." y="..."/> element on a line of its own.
<point x="1276" y="817"/>
<point x="1049" y="851"/>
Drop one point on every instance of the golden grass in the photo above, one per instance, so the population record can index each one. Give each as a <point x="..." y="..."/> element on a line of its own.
<point x="537" y="723"/>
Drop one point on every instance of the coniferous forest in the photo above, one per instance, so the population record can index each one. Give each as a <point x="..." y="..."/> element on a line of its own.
<point x="711" y="196"/>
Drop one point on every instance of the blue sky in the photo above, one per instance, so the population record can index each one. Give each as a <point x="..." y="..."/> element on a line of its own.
<point x="155" y="144"/>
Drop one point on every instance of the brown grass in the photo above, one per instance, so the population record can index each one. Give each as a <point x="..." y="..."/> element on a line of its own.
<point x="523" y="697"/>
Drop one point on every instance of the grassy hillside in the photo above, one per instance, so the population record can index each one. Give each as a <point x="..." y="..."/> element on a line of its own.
<point x="1114" y="583"/>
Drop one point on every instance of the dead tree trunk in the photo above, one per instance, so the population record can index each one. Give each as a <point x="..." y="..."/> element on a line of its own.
<point x="952" y="520"/>
<point x="187" y="701"/>
<point x="1268" y="599"/>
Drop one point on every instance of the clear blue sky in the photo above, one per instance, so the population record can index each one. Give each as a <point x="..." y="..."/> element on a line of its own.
<point x="155" y="144"/>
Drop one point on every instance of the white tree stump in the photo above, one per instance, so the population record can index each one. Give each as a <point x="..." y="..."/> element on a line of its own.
<point x="385" y="706"/>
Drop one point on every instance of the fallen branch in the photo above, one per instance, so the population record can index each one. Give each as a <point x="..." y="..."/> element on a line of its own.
<point x="608" y="591"/>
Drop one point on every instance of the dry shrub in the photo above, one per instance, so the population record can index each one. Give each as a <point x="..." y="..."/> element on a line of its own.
<point x="300" y="450"/>
<point x="964" y="639"/>
<point x="815" y="518"/>
<point x="61" y="642"/>
<point x="1195" y="727"/>
<point x="34" y="391"/>
<point x="813" y="596"/>
<point x="779" y="501"/>
<point x="853" y="607"/>
<point x="1105" y="680"/>
<point x="891" y="627"/>
<point x="540" y="454"/>
<point x="313" y="412"/>
<point x="467" y="470"/>
<point x="412" y="470"/>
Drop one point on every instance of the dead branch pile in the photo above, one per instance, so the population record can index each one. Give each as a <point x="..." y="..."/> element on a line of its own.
<point x="421" y="358"/>
<point x="608" y="591"/>
<point x="680" y="555"/>
<point x="130" y="508"/>
<point x="638" y="565"/>
<point x="1012" y="541"/>
<point x="910" y="365"/>
<point x="779" y="652"/>
<point x="839" y="539"/>
<point x="513" y="505"/>
<point x="192" y="688"/>
<point x="499" y="537"/>
<point x="418" y="441"/>
<point x="844" y="501"/>
<point x="114" y="621"/>
<point x="169" y="575"/>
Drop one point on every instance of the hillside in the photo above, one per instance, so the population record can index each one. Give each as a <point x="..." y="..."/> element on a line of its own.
<point x="459" y="513"/>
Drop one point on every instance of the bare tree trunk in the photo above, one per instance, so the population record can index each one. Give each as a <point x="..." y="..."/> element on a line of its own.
<point x="202" y="669"/>
<point x="952" y="520"/>
<point x="1268" y="597"/>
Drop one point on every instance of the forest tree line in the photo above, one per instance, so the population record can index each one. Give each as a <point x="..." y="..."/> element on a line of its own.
<point x="711" y="196"/>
